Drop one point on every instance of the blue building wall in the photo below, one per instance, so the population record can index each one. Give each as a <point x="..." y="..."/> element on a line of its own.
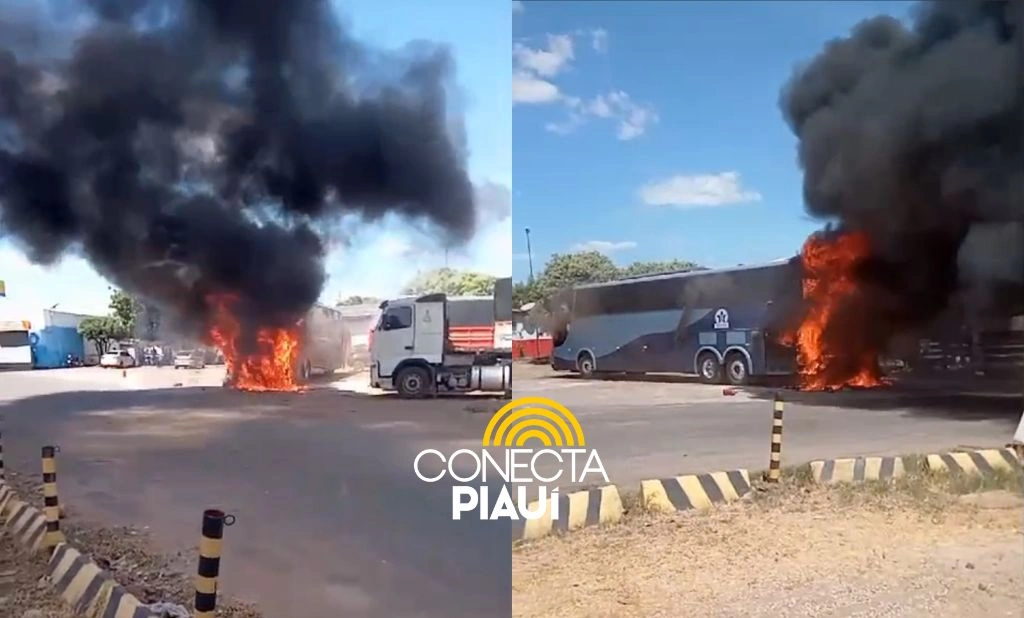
<point x="51" y="346"/>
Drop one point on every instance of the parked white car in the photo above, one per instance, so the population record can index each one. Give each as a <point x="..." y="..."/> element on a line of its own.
<point x="118" y="360"/>
<point x="190" y="359"/>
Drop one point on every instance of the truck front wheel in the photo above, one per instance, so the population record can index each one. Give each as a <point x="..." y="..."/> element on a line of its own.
<point x="414" y="382"/>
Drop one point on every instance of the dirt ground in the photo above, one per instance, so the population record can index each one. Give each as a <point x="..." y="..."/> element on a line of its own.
<point x="806" y="552"/>
<point x="24" y="591"/>
<point x="124" y="552"/>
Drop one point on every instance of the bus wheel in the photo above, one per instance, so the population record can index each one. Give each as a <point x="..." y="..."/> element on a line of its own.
<point x="413" y="382"/>
<point x="585" y="365"/>
<point x="736" y="369"/>
<point x="709" y="369"/>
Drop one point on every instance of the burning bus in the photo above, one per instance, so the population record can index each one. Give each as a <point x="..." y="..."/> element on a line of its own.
<point x="818" y="317"/>
<point x="724" y="324"/>
<point x="281" y="358"/>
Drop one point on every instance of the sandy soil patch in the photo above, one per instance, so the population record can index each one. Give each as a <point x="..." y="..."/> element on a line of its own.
<point x="808" y="552"/>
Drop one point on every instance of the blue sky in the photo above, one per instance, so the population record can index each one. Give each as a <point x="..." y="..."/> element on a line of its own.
<point x="652" y="131"/>
<point x="479" y="34"/>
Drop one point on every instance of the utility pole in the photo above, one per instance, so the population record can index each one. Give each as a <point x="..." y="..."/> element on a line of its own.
<point x="529" y="253"/>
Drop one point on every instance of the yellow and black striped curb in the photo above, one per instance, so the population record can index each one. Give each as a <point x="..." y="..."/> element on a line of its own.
<point x="26" y="523"/>
<point x="694" y="491"/>
<point x="978" y="463"/>
<point x="857" y="469"/>
<point x="592" y="507"/>
<point x="89" y="590"/>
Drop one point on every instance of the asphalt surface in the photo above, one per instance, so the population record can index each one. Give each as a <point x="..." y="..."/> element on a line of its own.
<point x="666" y="426"/>
<point x="331" y="520"/>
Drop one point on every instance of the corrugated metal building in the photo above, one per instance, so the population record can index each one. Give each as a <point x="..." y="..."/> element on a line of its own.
<point x="59" y="337"/>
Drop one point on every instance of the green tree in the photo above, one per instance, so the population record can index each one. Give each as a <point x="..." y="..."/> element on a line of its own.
<point x="524" y="292"/>
<point x="637" y="269"/>
<point x="568" y="269"/>
<point x="358" y="300"/>
<point x="125" y="308"/>
<point x="101" y="330"/>
<point x="451" y="282"/>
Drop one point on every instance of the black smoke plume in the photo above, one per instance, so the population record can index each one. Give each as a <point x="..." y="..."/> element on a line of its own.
<point x="914" y="135"/>
<point x="189" y="147"/>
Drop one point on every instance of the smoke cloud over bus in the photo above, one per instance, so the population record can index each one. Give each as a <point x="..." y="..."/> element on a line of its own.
<point x="913" y="134"/>
<point x="187" y="148"/>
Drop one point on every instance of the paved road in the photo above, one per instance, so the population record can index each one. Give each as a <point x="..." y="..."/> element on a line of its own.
<point x="655" y="429"/>
<point x="331" y="520"/>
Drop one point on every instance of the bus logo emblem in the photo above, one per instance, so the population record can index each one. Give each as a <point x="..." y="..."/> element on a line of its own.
<point x="721" y="319"/>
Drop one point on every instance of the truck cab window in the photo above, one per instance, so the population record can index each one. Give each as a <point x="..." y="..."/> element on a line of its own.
<point x="397" y="318"/>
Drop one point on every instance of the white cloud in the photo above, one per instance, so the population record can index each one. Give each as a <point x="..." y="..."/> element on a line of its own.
<point x="632" y="118"/>
<point x="518" y="7"/>
<point x="532" y="82"/>
<point x="688" y="191"/>
<point x="528" y="88"/>
<point x="604" y="246"/>
<point x="545" y="62"/>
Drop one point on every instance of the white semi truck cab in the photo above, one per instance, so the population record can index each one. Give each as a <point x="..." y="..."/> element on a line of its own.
<point x="411" y="353"/>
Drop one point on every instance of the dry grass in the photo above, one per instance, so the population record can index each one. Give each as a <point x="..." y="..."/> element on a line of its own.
<point x="917" y="546"/>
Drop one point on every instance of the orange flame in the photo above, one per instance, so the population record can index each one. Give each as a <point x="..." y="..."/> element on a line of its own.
<point x="271" y="368"/>
<point x="828" y="264"/>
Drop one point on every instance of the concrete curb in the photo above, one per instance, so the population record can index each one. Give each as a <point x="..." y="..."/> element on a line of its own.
<point x="694" y="491"/>
<point x="578" y="509"/>
<point x="978" y="463"/>
<point x="26" y="523"/>
<point x="857" y="469"/>
<point x="90" y="591"/>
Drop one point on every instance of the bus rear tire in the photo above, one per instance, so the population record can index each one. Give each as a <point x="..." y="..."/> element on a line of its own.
<point x="736" y="369"/>
<point x="413" y="383"/>
<point x="709" y="370"/>
<point x="585" y="365"/>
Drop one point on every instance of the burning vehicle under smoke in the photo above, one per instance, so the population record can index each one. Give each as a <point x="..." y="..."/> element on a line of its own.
<point x="195" y="152"/>
<point x="912" y="141"/>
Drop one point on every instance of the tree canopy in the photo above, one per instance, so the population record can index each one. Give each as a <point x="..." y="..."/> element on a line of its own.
<point x="102" y="330"/>
<point x="355" y="299"/>
<point x="568" y="269"/>
<point x="451" y="282"/>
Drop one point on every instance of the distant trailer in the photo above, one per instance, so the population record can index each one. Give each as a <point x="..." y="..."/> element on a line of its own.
<point x="15" y="344"/>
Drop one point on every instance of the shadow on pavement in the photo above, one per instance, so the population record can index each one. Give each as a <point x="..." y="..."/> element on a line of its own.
<point x="966" y="400"/>
<point x="331" y="517"/>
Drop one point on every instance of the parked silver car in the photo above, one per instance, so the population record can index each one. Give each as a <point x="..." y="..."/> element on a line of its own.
<point x="190" y="359"/>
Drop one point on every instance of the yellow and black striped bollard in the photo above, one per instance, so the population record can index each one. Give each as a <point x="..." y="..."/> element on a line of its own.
<point x="775" y="461"/>
<point x="214" y="521"/>
<point x="51" y="504"/>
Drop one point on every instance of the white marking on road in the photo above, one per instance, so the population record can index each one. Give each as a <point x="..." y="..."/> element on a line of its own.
<point x="393" y="425"/>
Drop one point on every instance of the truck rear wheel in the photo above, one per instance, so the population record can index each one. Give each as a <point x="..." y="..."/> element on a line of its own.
<point x="414" y="382"/>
